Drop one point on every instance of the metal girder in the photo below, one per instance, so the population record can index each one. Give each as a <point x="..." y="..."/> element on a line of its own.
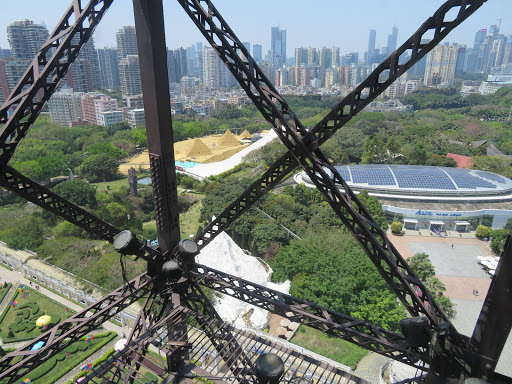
<point x="362" y="333"/>
<point x="15" y="365"/>
<point x="273" y="107"/>
<point x="43" y="75"/>
<point x="149" y="25"/>
<point x="45" y="198"/>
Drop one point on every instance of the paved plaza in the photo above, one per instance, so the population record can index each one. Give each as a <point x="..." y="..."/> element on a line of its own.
<point x="457" y="267"/>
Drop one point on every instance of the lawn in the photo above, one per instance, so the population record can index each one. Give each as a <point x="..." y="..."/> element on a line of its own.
<point x="19" y="319"/>
<point x="111" y="186"/>
<point x="329" y="346"/>
<point x="189" y="220"/>
<point x="64" y="361"/>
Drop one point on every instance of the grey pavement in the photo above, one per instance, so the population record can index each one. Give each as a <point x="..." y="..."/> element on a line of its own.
<point x="457" y="261"/>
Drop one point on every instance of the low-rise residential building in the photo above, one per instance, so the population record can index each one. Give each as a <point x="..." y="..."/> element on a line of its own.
<point x="66" y="106"/>
<point x="94" y="104"/>
<point x="136" y="117"/>
<point x="111" y="118"/>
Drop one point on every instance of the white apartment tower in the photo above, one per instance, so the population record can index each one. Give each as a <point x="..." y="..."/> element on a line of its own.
<point x="129" y="69"/>
<point x="66" y="106"/>
<point x="214" y="73"/>
<point x="26" y="38"/>
<point x="440" y="67"/>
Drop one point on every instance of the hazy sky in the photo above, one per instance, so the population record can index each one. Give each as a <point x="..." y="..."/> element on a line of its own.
<point x="317" y="23"/>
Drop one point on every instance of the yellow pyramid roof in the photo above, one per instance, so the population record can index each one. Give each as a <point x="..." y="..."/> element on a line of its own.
<point x="228" y="140"/>
<point x="245" y="135"/>
<point x="198" y="148"/>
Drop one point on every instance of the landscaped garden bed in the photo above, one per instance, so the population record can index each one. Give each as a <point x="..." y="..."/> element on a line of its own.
<point x="26" y="307"/>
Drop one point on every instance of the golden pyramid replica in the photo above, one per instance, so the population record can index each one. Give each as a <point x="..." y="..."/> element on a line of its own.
<point x="245" y="135"/>
<point x="198" y="148"/>
<point x="227" y="140"/>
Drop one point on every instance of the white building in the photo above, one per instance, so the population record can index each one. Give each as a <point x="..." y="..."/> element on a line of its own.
<point x="136" y="117"/>
<point x="129" y="73"/>
<point x="441" y="63"/>
<point x="66" y="106"/>
<point x="93" y="104"/>
<point x="111" y="117"/>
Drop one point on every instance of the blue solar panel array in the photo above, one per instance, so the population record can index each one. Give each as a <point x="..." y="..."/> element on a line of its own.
<point x="343" y="171"/>
<point x="464" y="179"/>
<point x="422" y="177"/>
<point x="491" y="176"/>
<point x="375" y="175"/>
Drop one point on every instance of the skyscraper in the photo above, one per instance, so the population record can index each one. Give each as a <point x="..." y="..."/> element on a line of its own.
<point x="176" y="64"/>
<point x="371" y="46"/>
<point x="278" y="47"/>
<point x="392" y="39"/>
<point x="26" y="38"/>
<point x="84" y="74"/>
<point x="126" y="42"/>
<point x="109" y="68"/>
<point x="441" y="64"/>
<point x="257" y="52"/>
<point x="127" y="53"/>
<point x="214" y="73"/>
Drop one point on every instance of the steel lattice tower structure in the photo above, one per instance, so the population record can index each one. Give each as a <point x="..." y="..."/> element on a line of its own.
<point x="176" y="315"/>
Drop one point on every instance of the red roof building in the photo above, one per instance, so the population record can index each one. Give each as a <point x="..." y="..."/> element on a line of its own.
<point x="462" y="161"/>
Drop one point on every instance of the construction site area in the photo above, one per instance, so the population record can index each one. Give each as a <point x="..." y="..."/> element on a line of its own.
<point x="204" y="150"/>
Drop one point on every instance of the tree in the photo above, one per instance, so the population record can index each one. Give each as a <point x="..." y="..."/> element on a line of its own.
<point x="418" y="154"/>
<point x="393" y="146"/>
<point x="396" y="227"/>
<point x="101" y="167"/>
<point x="482" y="231"/>
<point x="77" y="191"/>
<point x="421" y="265"/>
<point x="498" y="238"/>
<point x="107" y="148"/>
<point x="373" y="151"/>
<point x="373" y="206"/>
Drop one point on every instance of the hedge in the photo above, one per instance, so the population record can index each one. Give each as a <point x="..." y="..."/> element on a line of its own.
<point x="102" y="359"/>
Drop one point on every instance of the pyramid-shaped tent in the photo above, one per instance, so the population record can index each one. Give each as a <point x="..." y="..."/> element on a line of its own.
<point x="228" y="140"/>
<point x="245" y="135"/>
<point x="198" y="148"/>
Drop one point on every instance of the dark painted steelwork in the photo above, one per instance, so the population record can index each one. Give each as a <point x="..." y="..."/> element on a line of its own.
<point x="149" y="24"/>
<point x="43" y="197"/>
<point x="44" y="75"/>
<point x="357" y="331"/>
<point x="305" y="149"/>
<point x="495" y="320"/>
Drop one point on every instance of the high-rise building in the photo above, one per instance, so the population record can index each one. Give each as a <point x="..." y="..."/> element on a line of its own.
<point x="5" y="53"/>
<point x="278" y="47"/>
<point x="66" y="106"/>
<point x="312" y="56"/>
<point x="26" y="38"/>
<point x="10" y="73"/>
<point x="370" y="55"/>
<point x="257" y="52"/>
<point x="109" y="68"/>
<point x="84" y="73"/>
<point x="129" y="73"/>
<point x="392" y="39"/>
<point x="126" y="42"/>
<point x="127" y="53"/>
<point x="301" y="56"/>
<point x="325" y="58"/>
<point x="350" y="58"/>
<point x="176" y="64"/>
<point x="441" y="64"/>
<point x="335" y="51"/>
<point x="214" y="73"/>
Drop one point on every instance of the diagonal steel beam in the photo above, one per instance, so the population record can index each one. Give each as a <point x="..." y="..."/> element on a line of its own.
<point x="266" y="98"/>
<point x="362" y="333"/>
<point x="44" y="75"/>
<point x="45" y="198"/>
<point x="15" y="365"/>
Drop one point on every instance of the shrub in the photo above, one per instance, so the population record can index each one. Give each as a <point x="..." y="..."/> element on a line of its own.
<point x="482" y="231"/>
<point x="10" y="334"/>
<point x="396" y="227"/>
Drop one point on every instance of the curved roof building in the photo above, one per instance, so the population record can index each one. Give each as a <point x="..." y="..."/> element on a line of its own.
<point x="424" y="183"/>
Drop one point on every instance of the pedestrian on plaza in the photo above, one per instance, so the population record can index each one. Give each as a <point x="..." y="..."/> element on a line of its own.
<point x="452" y="245"/>
<point x="476" y="292"/>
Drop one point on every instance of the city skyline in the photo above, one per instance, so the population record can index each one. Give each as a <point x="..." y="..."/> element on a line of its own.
<point x="321" y="29"/>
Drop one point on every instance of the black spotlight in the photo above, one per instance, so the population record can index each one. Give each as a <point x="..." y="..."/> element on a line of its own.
<point x="172" y="269"/>
<point x="126" y="244"/>
<point x="188" y="246"/>
<point x="269" y="368"/>
<point x="416" y="331"/>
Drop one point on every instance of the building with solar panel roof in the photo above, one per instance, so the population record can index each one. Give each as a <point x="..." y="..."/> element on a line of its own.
<point x="434" y="198"/>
